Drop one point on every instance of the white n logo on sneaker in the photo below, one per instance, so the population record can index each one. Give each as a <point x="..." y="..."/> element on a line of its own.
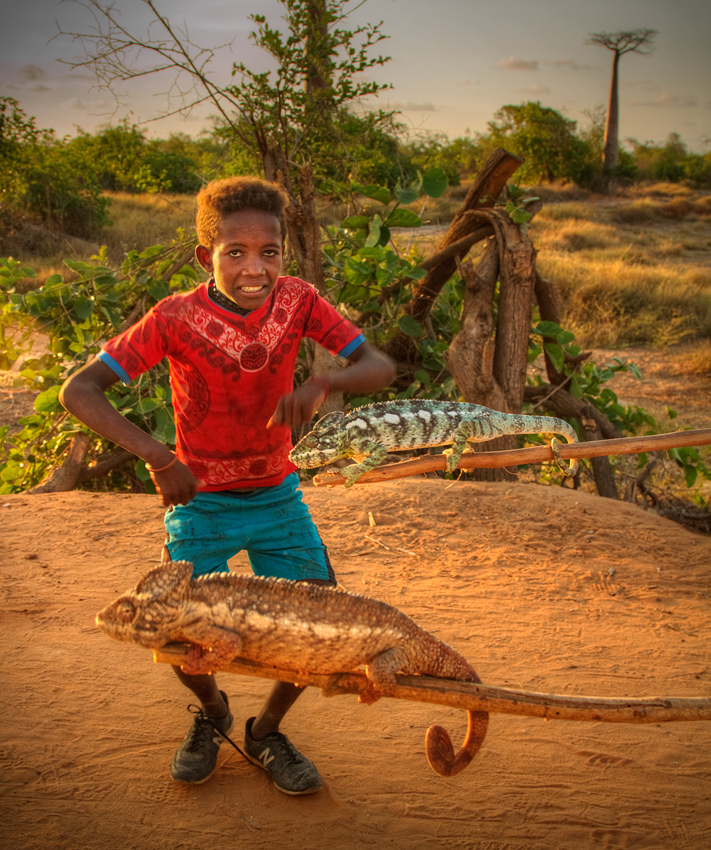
<point x="265" y="756"/>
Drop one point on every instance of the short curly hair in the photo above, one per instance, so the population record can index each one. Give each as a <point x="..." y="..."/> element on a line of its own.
<point x="233" y="194"/>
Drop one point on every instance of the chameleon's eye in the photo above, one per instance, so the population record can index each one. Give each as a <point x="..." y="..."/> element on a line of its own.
<point x="125" y="610"/>
<point x="311" y="442"/>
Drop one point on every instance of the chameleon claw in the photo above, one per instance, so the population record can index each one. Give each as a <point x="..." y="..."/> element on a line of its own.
<point x="568" y="470"/>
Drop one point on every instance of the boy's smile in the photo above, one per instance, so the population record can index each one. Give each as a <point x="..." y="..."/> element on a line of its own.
<point x="245" y="258"/>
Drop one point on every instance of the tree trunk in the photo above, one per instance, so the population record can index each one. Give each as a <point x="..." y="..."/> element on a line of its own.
<point x="612" y="124"/>
<point x="470" y="355"/>
<point x="483" y="194"/>
<point x="589" y="417"/>
<point x="105" y="464"/>
<point x="517" y="257"/>
<point x="65" y="477"/>
<point x="493" y="372"/>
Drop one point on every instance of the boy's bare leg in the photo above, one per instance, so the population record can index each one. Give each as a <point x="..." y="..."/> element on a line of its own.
<point x="205" y="689"/>
<point x="279" y="701"/>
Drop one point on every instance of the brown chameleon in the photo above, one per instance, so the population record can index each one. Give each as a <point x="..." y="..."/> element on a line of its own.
<point x="294" y="626"/>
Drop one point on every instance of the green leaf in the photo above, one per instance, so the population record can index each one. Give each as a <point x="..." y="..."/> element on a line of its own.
<point x="384" y="236"/>
<point x="690" y="474"/>
<point x="400" y="217"/>
<point x="355" y="222"/>
<point x="633" y="369"/>
<point x="557" y="357"/>
<point x="533" y="351"/>
<point x="145" y="405"/>
<point x="435" y="182"/>
<point x="548" y="329"/>
<point x="164" y="431"/>
<point x="672" y="414"/>
<point x="407" y="194"/>
<point x="410" y="326"/>
<point x="158" y="289"/>
<point x="564" y="337"/>
<point x="83" y="307"/>
<point x="374" y="233"/>
<point x="377" y="193"/>
<point x="356" y="272"/>
<point x="416" y="274"/>
<point x="48" y="400"/>
<point x="112" y="316"/>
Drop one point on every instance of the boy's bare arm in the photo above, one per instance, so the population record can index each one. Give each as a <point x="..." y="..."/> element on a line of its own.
<point x="368" y="370"/>
<point x="83" y="395"/>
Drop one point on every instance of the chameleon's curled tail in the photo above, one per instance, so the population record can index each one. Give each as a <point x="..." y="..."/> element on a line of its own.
<point x="440" y="752"/>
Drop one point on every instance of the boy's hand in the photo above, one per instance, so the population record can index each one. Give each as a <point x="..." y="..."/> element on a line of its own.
<point x="175" y="486"/>
<point x="298" y="407"/>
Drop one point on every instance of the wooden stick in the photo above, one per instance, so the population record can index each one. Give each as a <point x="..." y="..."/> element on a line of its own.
<point x="515" y="457"/>
<point x="473" y="697"/>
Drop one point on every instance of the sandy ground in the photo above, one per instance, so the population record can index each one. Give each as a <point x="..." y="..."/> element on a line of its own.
<point x="540" y="588"/>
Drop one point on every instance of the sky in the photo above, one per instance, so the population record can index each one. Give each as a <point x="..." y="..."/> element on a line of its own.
<point x="453" y="62"/>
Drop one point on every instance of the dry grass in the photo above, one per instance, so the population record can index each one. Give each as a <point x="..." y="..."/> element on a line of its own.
<point x="693" y="360"/>
<point x="140" y="221"/>
<point x="630" y="272"/>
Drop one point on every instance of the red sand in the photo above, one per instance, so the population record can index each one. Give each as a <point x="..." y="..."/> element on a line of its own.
<point x="541" y="588"/>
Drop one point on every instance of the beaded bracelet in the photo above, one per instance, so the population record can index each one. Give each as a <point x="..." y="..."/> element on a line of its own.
<point x="320" y="382"/>
<point x="162" y="468"/>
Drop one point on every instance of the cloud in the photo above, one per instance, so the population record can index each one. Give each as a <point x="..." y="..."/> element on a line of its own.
<point x="77" y="78"/>
<point x="32" y="73"/>
<point x="666" y="100"/>
<point x="567" y="63"/>
<point x="81" y="105"/>
<point x="513" y="63"/>
<point x="535" y="89"/>
<point x="413" y="107"/>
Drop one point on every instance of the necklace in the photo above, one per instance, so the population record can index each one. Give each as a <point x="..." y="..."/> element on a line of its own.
<point x="221" y="299"/>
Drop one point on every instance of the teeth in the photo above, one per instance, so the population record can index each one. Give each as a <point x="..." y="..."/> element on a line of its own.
<point x="251" y="288"/>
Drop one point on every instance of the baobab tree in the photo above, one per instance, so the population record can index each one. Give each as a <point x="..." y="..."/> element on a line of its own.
<point x="626" y="41"/>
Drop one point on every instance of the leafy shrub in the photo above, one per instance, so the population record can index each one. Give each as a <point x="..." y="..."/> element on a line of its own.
<point x="40" y="177"/>
<point x="77" y="317"/>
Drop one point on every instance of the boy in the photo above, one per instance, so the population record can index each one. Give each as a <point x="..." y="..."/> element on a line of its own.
<point x="232" y="344"/>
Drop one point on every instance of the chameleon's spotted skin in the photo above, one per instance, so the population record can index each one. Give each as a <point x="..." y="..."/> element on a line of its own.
<point x="293" y="626"/>
<point x="371" y="431"/>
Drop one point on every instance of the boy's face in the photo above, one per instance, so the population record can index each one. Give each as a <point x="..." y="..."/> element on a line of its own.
<point x="245" y="259"/>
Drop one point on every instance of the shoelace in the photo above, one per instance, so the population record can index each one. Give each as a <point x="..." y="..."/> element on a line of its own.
<point x="290" y="748"/>
<point x="206" y="717"/>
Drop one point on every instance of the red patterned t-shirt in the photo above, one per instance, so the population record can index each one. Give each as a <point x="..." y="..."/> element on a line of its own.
<point x="227" y="373"/>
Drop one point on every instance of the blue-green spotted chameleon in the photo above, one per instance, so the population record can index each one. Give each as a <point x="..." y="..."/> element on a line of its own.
<point x="368" y="433"/>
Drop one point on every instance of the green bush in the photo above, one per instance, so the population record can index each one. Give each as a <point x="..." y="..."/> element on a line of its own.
<point x="42" y="178"/>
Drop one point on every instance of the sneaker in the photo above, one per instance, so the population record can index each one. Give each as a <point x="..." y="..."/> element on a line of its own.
<point x="290" y="771"/>
<point x="196" y="758"/>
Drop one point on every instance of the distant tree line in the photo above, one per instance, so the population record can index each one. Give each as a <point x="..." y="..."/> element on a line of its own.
<point x="62" y="181"/>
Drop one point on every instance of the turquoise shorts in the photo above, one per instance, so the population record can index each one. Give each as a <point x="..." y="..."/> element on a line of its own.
<point x="272" y="524"/>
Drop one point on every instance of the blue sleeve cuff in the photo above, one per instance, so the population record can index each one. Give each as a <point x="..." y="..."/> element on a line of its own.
<point x="351" y="347"/>
<point x="114" y="366"/>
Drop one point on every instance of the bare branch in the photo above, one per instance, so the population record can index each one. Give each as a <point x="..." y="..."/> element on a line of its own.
<point x="625" y="41"/>
<point x="116" y="54"/>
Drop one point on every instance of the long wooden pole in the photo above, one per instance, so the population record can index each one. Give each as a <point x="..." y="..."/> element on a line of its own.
<point x="467" y="695"/>
<point x="516" y="457"/>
